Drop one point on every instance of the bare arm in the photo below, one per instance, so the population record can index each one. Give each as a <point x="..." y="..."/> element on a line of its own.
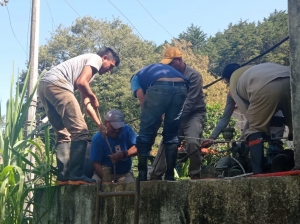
<point x="90" y="110"/>
<point x="141" y="96"/>
<point x="98" y="169"/>
<point x="82" y="83"/>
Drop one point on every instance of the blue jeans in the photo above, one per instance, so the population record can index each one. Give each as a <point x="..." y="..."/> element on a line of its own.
<point x="159" y="100"/>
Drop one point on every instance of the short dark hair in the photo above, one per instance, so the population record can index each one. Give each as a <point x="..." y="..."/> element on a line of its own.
<point x="229" y="69"/>
<point x="112" y="55"/>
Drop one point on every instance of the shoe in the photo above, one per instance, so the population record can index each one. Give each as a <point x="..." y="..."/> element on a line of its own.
<point x="256" y="152"/>
<point x="171" y="156"/>
<point x="142" y="167"/>
<point x="62" y="152"/>
<point x="77" y="156"/>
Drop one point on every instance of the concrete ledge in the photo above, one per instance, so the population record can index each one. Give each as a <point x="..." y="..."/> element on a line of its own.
<point x="243" y="200"/>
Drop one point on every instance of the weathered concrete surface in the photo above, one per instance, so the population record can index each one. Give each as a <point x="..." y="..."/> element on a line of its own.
<point x="294" y="33"/>
<point x="248" y="200"/>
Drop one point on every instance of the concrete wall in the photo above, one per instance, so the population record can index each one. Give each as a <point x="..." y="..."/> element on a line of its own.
<point x="247" y="200"/>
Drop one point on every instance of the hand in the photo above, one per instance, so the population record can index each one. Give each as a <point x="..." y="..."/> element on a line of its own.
<point x="290" y="137"/>
<point x="206" y="143"/>
<point x="116" y="157"/>
<point x="102" y="130"/>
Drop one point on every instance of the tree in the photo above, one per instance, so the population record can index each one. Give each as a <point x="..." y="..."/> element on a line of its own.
<point x="245" y="40"/>
<point x="195" y="36"/>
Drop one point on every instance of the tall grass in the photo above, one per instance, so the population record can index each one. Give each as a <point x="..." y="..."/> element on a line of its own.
<point x="19" y="176"/>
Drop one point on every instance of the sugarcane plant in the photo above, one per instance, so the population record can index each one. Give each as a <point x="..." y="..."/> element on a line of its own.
<point x="19" y="177"/>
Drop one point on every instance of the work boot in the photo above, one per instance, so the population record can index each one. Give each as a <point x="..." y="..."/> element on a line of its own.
<point x="142" y="167"/>
<point x="171" y="156"/>
<point x="62" y="152"/>
<point x="256" y="152"/>
<point x="77" y="156"/>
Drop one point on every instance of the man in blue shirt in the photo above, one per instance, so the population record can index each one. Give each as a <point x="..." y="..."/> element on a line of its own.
<point x="115" y="150"/>
<point x="160" y="89"/>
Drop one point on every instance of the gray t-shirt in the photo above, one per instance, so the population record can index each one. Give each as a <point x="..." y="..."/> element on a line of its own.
<point x="65" y="74"/>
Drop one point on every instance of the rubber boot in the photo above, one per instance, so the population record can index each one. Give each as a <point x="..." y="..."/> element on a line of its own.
<point x="171" y="156"/>
<point x="256" y="152"/>
<point x="62" y="159"/>
<point x="142" y="167"/>
<point x="77" y="156"/>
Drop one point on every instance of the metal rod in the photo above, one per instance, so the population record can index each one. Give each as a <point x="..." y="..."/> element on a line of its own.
<point x="118" y="193"/>
<point x="137" y="201"/>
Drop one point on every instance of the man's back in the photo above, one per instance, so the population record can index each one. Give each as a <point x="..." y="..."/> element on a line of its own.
<point x="65" y="74"/>
<point x="195" y="101"/>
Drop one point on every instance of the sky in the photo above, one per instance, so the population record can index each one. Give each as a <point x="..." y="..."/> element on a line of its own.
<point x="153" y="20"/>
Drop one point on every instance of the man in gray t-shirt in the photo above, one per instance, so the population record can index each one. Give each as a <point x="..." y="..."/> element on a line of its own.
<point x="56" y="92"/>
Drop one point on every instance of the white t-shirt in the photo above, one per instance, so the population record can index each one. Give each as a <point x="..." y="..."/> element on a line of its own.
<point x="65" y="74"/>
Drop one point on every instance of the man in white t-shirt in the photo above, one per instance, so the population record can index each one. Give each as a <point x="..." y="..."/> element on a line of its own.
<point x="56" y="92"/>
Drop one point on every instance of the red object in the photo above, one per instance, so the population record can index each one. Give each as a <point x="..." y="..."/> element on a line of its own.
<point x="278" y="174"/>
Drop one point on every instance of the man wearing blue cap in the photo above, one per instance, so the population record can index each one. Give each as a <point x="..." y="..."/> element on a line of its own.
<point x="115" y="150"/>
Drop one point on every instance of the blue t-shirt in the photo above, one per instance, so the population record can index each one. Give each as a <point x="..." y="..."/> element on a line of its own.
<point x="100" y="150"/>
<point x="153" y="72"/>
<point x="135" y="85"/>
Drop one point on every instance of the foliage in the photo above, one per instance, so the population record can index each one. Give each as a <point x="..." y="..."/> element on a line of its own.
<point x="245" y="40"/>
<point x="195" y="36"/>
<point x="18" y="173"/>
<point x="216" y="93"/>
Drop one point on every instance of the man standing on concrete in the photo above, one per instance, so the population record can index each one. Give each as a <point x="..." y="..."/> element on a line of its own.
<point x="56" y="92"/>
<point x="116" y="150"/>
<point x="259" y="91"/>
<point x="160" y="89"/>
<point x="192" y="118"/>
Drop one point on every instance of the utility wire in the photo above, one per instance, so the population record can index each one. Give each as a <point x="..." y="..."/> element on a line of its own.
<point x="14" y="32"/>
<point x="155" y="19"/>
<point x="50" y="14"/>
<point x="28" y="27"/>
<point x="127" y="19"/>
<point x="72" y="8"/>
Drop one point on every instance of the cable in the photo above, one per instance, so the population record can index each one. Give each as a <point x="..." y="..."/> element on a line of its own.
<point x="267" y="51"/>
<point x="72" y="8"/>
<point x="50" y="14"/>
<point x="28" y="26"/>
<point x="127" y="19"/>
<point x="251" y="60"/>
<point x="155" y="19"/>
<point x="14" y="32"/>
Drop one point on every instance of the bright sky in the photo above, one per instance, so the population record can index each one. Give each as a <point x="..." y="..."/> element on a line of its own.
<point x="173" y="15"/>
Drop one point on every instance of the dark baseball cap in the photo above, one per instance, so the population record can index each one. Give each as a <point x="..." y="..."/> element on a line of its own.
<point x="115" y="118"/>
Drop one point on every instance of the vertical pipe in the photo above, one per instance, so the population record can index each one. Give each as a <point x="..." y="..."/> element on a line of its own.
<point x="137" y="201"/>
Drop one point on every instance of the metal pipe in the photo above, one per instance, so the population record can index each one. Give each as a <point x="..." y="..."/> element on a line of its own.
<point x="137" y="201"/>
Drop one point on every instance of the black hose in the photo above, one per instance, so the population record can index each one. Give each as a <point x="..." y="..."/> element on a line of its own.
<point x="251" y="60"/>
